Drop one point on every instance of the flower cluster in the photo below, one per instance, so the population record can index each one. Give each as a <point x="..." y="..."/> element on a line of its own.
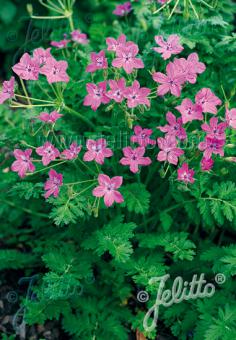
<point x="76" y="37"/>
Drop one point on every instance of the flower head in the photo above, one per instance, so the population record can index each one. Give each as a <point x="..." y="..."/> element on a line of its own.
<point x="99" y="62"/>
<point x="212" y="146"/>
<point x="169" y="150"/>
<point x="171" y="82"/>
<point x="175" y="126"/>
<point x="7" y="90"/>
<point x="60" y="44"/>
<point x="97" y="151"/>
<point x="208" y="100"/>
<point x="169" y="47"/>
<point x="27" y="68"/>
<point x="185" y="174"/>
<point x="96" y="95"/>
<point x="48" y="152"/>
<point x="72" y="152"/>
<point x="23" y="162"/>
<point x="55" y="71"/>
<point x="190" y="67"/>
<point x="41" y="55"/>
<point x="142" y="136"/>
<point x="117" y="90"/>
<point x="190" y="111"/>
<point x="123" y="9"/>
<point x="126" y="58"/>
<point x="113" y="44"/>
<point x="207" y="164"/>
<point x="215" y="130"/>
<point x="108" y="189"/>
<point x="134" y="157"/>
<point x="230" y="116"/>
<point x="80" y="38"/>
<point x="49" y="118"/>
<point x="53" y="184"/>
<point x="137" y="96"/>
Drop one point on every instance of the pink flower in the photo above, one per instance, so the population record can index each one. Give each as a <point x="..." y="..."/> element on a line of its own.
<point x="169" y="151"/>
<point x="212" y="146"/>
<point x="185" y="174"/>
<point x="207" y="164"/>
<point x="190" y="111"/>
<point x="7" y="90"/>
<point x="48" y="152"/>
<point x="169" y="47"/>
<point x="134" y="158"/>
<point x="99" y="62"/>
<point x="49" y="118"/>
<point x="96" y="95"/>
<point x="113" y="44"/>
<point x="23" y="162"/>
<point x="215" y="130"/>
<point x="126" y="58"/>
<point x="117" y="89"/>
<point x="80" y="38"/>
<point x="123" y="9"/>
<point x="142" y="136"/>
<point x="175" y="127"/>
<point x="162" y="1"/>
<point x="97" y="151"/>
<point x="72" y="152"/>
<point x="230" y="116"/>
<point x="169" y="83"/>
<point x="27" y="68"/>
<point x="53" y="184"/>
<point x="55" y="71"/>
<point x="41" y="55"/>
<point x="137" y="96"/>
<point x="60" y="44"/>
<point x="190" y="67"/>
<point x="108" y="189"/>
<point x="208" y="100"/>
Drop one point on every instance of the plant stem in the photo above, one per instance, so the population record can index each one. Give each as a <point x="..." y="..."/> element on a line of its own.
<point x="25" y="91"/>
<point x="69" y="110"/>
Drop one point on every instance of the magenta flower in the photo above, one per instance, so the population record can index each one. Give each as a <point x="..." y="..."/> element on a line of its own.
<point x="27" y="68"/>
<point x="207" y="164"/>
<point x="185" y="174"/>
<point x="108" y="189"/>
<point x="212" y="146"/>
<point x="134" y="157"/>
<point x="99" y="62"/>
<point x="23" y="162"/>
<point x="215" y="130"/>
<point x="123" y="9"/>
<point x="169" y="150"/>
<point x="137" y="96"/>
<point x="55" y="71"/>
<point x="53" y="184"/>
<point x="190" y="67"/>
<point x="49" y="118"/>
<point x="96" y="95"/>
<point x="126" y="58"/>
<point x="230" y="116"/>
<point x="48" y="152"/>
<point x="80" y="38"/>
<point x="169" y="47"/>
<point x="97" y="151"/>
<point x="41" y="55"/>
<point x="190" y="111"/>
<point x="208" y="100"/>
<point x="60" y="44"/>
<point x="113" y="44"/>
<point x="142" y="136"/>
<point x="175" y="126"/>
<point x="117" y="89"/>
<point x="171" y="82"/>
<point x="7" y="90"/>
<point x="72" y="152"/>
